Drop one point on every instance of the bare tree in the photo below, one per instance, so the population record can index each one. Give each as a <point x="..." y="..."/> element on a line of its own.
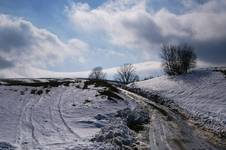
<point x="178" y="59"/>
<point x="126" y="74"/>
<point x="97" y="74"/>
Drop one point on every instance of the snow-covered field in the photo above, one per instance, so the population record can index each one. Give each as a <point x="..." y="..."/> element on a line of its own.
<point x="201" y="94"/>
<point x="66" y="116"/>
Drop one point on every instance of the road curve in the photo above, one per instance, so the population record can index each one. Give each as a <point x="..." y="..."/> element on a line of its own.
<point x="170" y="131"/>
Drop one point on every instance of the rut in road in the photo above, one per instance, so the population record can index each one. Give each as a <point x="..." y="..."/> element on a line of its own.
<point x="63" y="120"/>
<point x="26" y="128"/>
<point x="41" y="118"/>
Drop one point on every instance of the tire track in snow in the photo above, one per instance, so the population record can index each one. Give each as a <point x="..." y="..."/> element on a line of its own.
<point x="22" y="120"/>
<point x="62" y="117"/>
<point x="26" y="122"/>
<point x="19" y="126"/>
<point x="57" y="129"/>
<point x="31" y="120"/>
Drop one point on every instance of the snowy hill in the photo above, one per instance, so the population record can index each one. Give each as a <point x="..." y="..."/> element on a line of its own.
<point x="201" y="94"/>
<point x="62" y="114"/>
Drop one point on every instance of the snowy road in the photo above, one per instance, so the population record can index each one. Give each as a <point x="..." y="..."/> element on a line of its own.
<point x="169" y="131"/>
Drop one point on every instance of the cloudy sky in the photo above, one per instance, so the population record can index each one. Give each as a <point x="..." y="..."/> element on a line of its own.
<point x="41" y="38"/>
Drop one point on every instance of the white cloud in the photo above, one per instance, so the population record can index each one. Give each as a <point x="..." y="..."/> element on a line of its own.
<point x="130" y="24"/>
<point x="203" y="23"/>
<point x="22" y="43"/>
<point x="127" y="24"/>
<point x="108" y="19"/>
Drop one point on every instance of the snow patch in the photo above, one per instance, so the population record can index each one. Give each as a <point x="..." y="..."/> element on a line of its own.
<point x="66" y="117"/>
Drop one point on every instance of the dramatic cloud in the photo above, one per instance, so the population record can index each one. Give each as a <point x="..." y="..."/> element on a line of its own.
<point x="115" y="32"/>
<point x="133" y="24"/>
<point x="22" y="43"/>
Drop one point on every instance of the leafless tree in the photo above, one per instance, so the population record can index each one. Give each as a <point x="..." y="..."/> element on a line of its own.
<point x="178" y="59"/>
<point x="126" y="74"/>
<point x="97" y="74"/>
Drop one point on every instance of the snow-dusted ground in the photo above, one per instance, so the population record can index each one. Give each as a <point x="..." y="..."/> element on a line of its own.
<point x="61" y="117"/>
<point x="201" y="94"/>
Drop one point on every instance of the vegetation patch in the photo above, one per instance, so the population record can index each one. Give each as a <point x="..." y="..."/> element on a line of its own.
<point x="35" y="83"/>
<point x="36" y="92"/>
<point x="108" y="90"/>
<point x="33" y="91"/>
<point x="110" y="94"/>
<point x="223" y="71"/>
<point x="6" y="146"/>
<point x="100" y="83"/>
<point x="87" y="101"/>
<point x="47" y="91"/>
<point x="39" y="92"/>
<point x="21" y="92"/>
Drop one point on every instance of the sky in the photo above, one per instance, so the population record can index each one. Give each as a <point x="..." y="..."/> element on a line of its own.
<point x="40" y="38"/>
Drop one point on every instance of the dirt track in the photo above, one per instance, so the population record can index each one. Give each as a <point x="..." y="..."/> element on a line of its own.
<point x="170" y="131"/>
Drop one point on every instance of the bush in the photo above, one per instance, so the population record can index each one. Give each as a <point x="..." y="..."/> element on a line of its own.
<point x="126" y="74"/>
<point x="97" y="74"/>
<point x="178" y="59"/>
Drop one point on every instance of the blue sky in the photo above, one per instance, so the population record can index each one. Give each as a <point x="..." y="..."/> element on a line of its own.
<point x="77" y="35"/>
<point x="45" y="14"/>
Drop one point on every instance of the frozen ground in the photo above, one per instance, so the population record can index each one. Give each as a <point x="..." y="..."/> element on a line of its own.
<point x="201" y="94"/>
<point x="68" y="115"/>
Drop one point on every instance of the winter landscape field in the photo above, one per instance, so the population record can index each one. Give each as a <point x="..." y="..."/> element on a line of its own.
<point x="62" y="114"/>
<point x="86" y="114"/>
<point x="112" y="75"/>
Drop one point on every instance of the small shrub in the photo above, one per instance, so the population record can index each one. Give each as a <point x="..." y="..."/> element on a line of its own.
<point x="47" y="91"/>
<point x="110" y="95"/>
<point x="33" y="91"/>
<point x="224" y="72"/>
<point x="126" y="74"/>
<point x="97" y="74"/>
<point x="86" y="101"/>
<point x="39" y="92"/>
<point x="21" y="92"/>
<point x="177" y="59"/>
